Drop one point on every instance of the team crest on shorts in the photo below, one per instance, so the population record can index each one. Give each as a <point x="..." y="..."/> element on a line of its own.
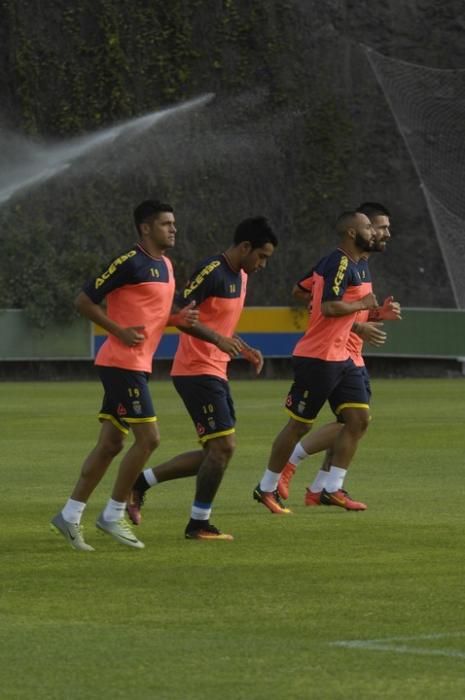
<point x="211" y="423"/>
<point x="137" y="408"/>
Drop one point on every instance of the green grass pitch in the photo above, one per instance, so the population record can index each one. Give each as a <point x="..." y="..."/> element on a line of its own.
<point x="321" y="604"/>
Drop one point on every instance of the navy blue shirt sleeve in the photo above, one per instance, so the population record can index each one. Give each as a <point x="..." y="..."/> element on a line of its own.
<point x="338" y="274"/>
<point x="202" y="284"/>
<point x="116" y="274"/>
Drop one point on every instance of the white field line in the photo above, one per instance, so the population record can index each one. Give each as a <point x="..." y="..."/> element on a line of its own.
<point x="398" y="646"/>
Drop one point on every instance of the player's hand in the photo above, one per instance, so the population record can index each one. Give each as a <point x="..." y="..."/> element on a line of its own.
<point x="369" y="301"/>
<point x="252" y="355"/>
<point x="371" y="333"/>
<point x="232" y="346"/>
<point x="131" y="336"/>
<point x="255" y="357"/>
<point x="390" y="310"/>
<point x="188" y="316"/>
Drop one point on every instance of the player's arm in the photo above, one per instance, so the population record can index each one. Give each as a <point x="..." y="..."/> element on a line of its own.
<point x="301" y="295"/>
<point x="302" y="290"/>
<point x="338" y="276"/>
<point x="232" y="346"/>
<point x="185" y="317"/>
<point x="97" y="314"/>
<point x="88" y="302"/>
<point x="199" y="288"/>
<point x="344" y="308"/>
<point x="186" y="320"/>
<point x="252" y="355"/>
<point x="370" y="332"/>
<point x="389" y="311"/>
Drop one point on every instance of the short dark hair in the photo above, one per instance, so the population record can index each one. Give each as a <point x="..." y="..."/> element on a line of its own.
<point x="345" y="220"/>
<point x="373" y="209"/>
<point x="149" y="209"/>
<point x="257" y="231"/>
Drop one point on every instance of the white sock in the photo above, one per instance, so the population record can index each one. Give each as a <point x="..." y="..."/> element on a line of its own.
<point x="298" y="455"/>
<point x="114" y="511"/>
<point x="200" y="511"/>
<point x="335" y="479"/>
<point x="150" y="477"/>
<point x="319" y="482"/>
<point x="269" y="481"/>
<point x="73" y="510"/>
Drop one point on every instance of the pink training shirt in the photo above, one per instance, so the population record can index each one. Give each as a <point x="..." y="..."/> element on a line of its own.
<point x="219" y="292"/>
<point x="335" y="278"/>
<point x="138" y="290"/>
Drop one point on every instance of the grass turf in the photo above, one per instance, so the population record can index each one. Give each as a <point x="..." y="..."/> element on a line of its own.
<point x="290" y="609"/>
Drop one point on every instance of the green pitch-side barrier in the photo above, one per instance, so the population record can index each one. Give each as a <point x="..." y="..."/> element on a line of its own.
<point x="21" y="340"/>
<point x="426" y="333"/>
<point x="423" y="333"/>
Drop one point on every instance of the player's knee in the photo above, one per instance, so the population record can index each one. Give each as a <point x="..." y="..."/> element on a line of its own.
<point x="358" y="424"/>
<point x="221" y="450"/>
<point x="228" y="452"/>
<point x="147" y="437"/>
<point x="365" y="423"/>
<point x="230" y="447"/>
<point x="111" y="447"/>
<point x="150" y="442"/>
<point x="299" y="429"/>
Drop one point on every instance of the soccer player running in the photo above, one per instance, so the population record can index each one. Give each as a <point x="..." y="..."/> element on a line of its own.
<point x="323" y="369"/>
<point x="199" y="372"/>
<point x="365" y="328"/>
<point x="138" y="287"/>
